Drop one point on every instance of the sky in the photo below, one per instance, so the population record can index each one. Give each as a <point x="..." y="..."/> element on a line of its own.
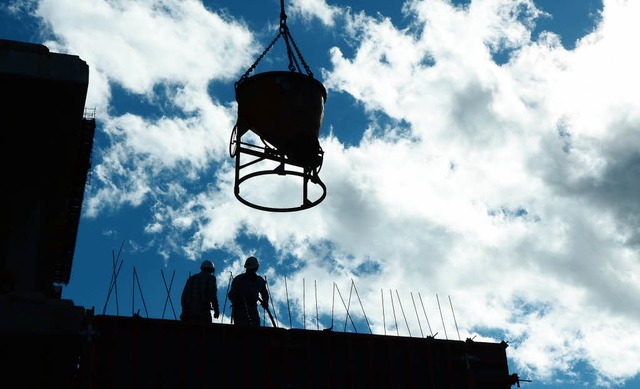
<point x="481" y="158"/>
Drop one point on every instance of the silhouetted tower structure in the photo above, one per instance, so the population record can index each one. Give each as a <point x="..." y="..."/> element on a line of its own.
<point x="46" y="148"/>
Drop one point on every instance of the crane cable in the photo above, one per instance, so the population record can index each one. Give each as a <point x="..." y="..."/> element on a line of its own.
<point x="291" y="47"/>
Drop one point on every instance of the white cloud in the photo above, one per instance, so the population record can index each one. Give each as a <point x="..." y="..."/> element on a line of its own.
<point x="510" y="186"/>
<point x="309" y="9"/>
<point x="499" y="127"/>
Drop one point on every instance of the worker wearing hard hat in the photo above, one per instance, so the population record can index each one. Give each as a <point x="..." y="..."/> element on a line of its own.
<point x="200" y="295"/>
<point x="246" y="290"/>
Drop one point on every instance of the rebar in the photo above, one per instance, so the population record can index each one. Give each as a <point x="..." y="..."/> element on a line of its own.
<point x="417" y="316"/>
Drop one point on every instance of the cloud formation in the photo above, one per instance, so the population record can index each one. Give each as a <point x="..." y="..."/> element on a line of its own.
<point x="497" y="167"/>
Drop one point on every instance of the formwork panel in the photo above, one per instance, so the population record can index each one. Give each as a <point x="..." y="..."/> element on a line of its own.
<point x="153" y="353"/>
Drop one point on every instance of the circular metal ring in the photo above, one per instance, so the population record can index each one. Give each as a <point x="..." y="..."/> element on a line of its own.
<point x="305" y="205"/>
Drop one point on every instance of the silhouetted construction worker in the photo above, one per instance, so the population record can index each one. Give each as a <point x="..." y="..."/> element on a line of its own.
<point x="200" y="295"/>
<point x="244" y="292"/>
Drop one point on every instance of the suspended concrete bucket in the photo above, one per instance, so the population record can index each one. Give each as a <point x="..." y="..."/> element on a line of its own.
<point x="285" y="110"/>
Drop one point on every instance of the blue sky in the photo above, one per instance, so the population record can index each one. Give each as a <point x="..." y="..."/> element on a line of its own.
<point x="479" y="154"/>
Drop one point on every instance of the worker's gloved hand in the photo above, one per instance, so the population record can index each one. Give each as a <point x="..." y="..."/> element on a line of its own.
<point x="264" y="304"/>
<point x="216" y="314"/>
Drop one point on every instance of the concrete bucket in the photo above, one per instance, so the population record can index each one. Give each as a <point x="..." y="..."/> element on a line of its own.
<point x="285" y="109"/>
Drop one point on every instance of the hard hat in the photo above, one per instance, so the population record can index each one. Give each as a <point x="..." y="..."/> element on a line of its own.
<point x="207" y="265"/>
<point x="251" y="263"/>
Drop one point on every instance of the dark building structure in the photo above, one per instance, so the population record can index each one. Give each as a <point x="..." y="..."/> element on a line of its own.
<point x="46" y="341"/>
<point x="46" y="143"/>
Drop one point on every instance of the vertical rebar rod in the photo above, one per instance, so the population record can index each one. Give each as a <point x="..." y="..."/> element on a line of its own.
<point x="288" y="306"/>
<point x="454" y="317"/>
<point x="115" y="284"/>
<point x="226" y="295"/>
<point x="114" y="274"/>
<point x="348" y="307"/>
<point x="114" y="279"/>
<point x="164" y="308"/>
<point x="304" y="307"/>
<point x="169" y="296"/>
<point x="144" y="304"/>
<point x="168" y="299"/>
<point x="315" y="287"/>
<point x="133" y="291"/>
<point x="417" y="316"/>
<point x="425" y="314"/>
<point x="403" y="315"/>
<point x="442" y="318"/>
<point x="384" y="323"/>
<point x="275" y="314"/>
<point x="333" y="302"/>
<point x="361" y="306"/>
<point x="393" y="307"/>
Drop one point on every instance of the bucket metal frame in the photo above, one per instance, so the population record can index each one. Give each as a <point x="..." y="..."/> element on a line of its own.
<point x="265" y="152"/>
<point x="282" y="142"/>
